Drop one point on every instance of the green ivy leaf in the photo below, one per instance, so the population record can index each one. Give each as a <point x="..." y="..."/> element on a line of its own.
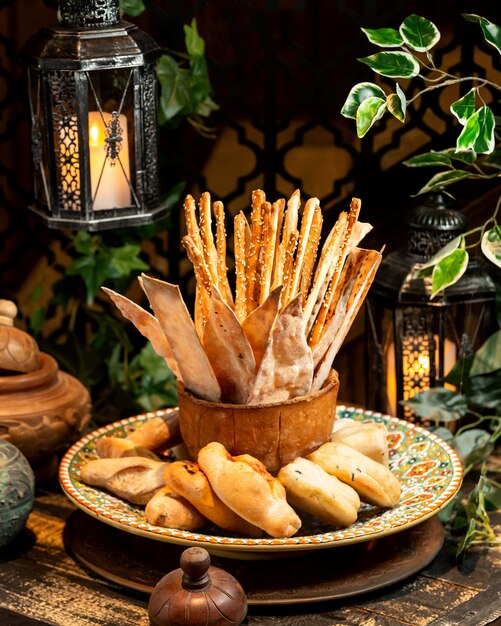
<point x="464" y="108"/>
<point x="485" y="391"/>
<point x="393" y="64"/>
<point x="175" y="94"/>
<point x="195" y="45"/>
<point x="448" y="271"/>
<point x="459" y="375"/>
<point x="438" y="404"/>
<point x="484" y="143"/>
<point x="492" y="32"/>
<point x="132" y="7"/>
<point x="471" y="446"/>
<point x="93" y="272"/>
<point x="397" y="104"/>
<point x="443" y="253"/>
<point x="463" y="157"/>
<point x="85" y="243"/>
<point x="488" y="357"/>
<point x="469" y="134"/>
<point x="154" y="384"/>
<point x="125" y="259"/>
<point x="368" y="113"/>
<point x="494" y="158"/>
<point x="419" y="33"/>
<point x="384" y="37"/>
<point x="491" y="245"/>
<point x="359" y="93"/>
<point x="429" y="159"/>
<point x="444" y="178"/>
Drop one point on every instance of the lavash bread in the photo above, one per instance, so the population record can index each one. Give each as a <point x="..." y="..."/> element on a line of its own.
<point x="313" y="490"/>
<point x="367" y="438"/>
<point x="373" y="482"/>
<point x="135" y="479"/>
<point x="169" y="510"/>
<point x="245" y="486"/>
<point x="187" y="480"/>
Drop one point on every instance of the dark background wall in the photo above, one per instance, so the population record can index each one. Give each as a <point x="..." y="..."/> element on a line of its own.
<point x="281" y="70"/>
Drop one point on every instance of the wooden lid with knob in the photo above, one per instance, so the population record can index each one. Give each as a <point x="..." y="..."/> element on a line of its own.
<point x="197" y="594"/>
<point x="19" y="352"/>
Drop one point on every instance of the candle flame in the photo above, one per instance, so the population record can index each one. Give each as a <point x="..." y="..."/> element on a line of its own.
<point x="94" y="134"/>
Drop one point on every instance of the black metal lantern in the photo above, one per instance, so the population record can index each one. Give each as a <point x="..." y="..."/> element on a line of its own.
<point x="93" y="103"/>
<point x="414" y="341"/>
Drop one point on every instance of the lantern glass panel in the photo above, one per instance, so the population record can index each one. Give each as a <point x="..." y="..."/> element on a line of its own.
<point x="111" y="139"/>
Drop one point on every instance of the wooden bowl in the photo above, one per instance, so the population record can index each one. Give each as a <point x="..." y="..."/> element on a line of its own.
<point x="276" y="433"/>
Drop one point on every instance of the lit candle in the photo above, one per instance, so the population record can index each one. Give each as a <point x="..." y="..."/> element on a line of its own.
<point x="109" y="180"/>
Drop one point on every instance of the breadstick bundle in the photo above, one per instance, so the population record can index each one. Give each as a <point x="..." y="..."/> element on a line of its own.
<point x="275" y="337"/>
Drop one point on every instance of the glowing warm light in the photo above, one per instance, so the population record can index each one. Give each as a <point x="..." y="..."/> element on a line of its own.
<point x="415" y="369"/>
<point x="109" y="181"/>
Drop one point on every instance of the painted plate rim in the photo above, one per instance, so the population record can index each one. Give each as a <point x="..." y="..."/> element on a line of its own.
<point x="358" y="532"/>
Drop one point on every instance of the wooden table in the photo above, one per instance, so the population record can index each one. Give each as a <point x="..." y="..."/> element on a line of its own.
<point x="41" y="585"/>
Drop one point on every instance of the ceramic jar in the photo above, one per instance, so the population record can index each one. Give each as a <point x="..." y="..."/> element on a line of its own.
<point x="17" y="492"/>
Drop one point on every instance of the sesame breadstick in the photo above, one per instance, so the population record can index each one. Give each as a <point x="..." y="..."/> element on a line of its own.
<point x="258" y="200"/>
<point x="208" y="247"/>
<point x="306" y="222"/>
<point x="222" y="270"/>
<point x="311" y="254"/>
<point x="240" y="267"/>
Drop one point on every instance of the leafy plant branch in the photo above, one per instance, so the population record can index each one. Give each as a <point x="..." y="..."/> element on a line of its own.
<point x="475" y="156"/>
<point x="475" y="403"/>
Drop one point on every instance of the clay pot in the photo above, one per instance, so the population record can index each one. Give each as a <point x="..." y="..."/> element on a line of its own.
<point x="276" y="433"/>
<point x="42" y="412"/>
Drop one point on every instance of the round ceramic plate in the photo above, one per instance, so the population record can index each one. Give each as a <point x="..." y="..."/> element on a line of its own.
<point x="429" y="472"/>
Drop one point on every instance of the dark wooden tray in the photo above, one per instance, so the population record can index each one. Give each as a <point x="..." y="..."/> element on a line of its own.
<point x="137" y="563"/>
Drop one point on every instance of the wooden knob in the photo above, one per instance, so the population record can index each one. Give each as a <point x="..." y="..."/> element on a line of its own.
<point x="195" y="563"/>
<point x="8" y="312"/>
<point x="197" y="594"/>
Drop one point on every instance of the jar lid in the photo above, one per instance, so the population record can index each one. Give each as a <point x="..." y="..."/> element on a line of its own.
<point x="19" y="352"/>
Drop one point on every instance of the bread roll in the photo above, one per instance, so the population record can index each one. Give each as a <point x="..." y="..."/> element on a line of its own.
<point x="244" y="484"/>
<point x="135" y="479"/>
<point x="154" y="434"/>
<point x="169" y="510"/>
<point x="366" y="438"/>
<point x="118" y="447"/>
<point x="187" y="480"/>
<point x="373" y="482"/>
<point x="313" y="490"/>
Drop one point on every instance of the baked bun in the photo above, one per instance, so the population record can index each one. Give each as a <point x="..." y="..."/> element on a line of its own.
<point x="187" y="480"/>
<point x="169" y="510"/>
<point x="154" y="434"/>
<point x="244" y="484"/>
<point x="132" y="478"/>
<point x="373" y="482"/>
<point x="313" y="490"/>
<point x="118" y="447"/>
<point x="368" y="438"/>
